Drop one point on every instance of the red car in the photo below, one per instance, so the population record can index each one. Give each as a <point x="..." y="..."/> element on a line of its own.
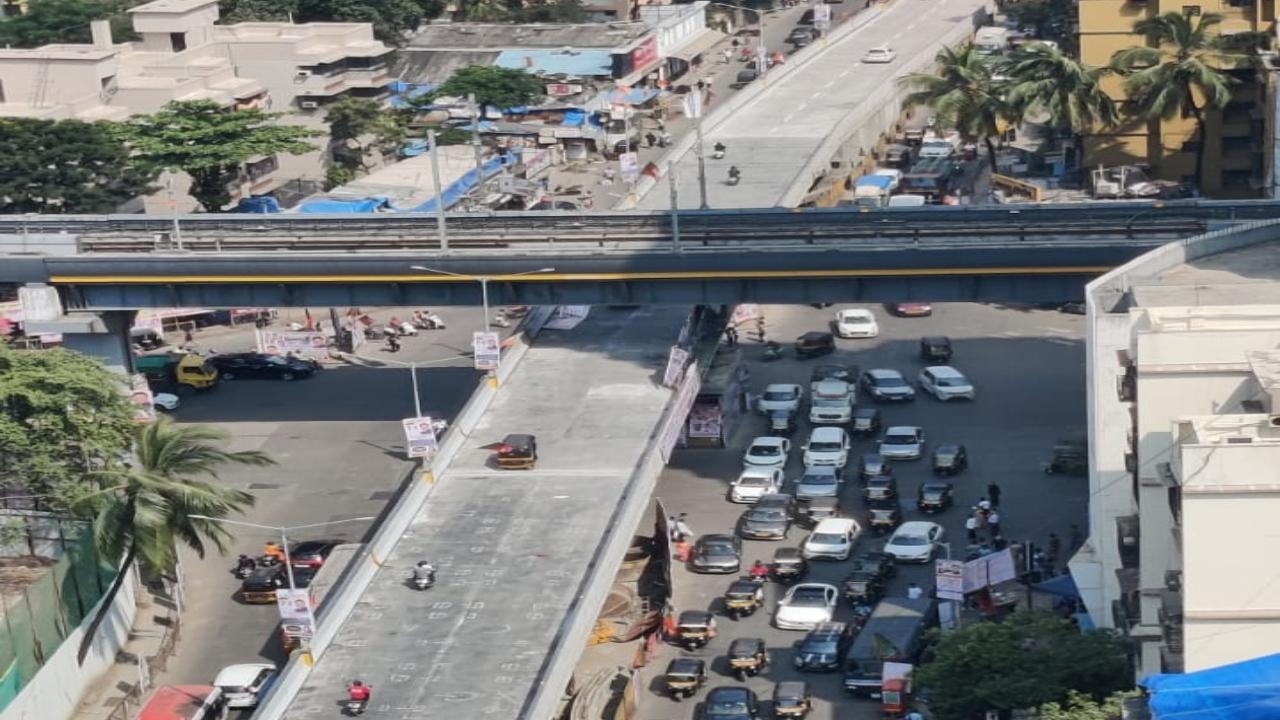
<point x="912" y="309"/>
<point x="311" y="553"/>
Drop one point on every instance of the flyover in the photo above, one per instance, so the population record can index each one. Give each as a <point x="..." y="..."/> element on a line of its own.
<point x="1027" y="253"/>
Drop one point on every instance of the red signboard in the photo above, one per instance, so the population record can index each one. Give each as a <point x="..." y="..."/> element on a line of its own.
<point x="644" y="54"/>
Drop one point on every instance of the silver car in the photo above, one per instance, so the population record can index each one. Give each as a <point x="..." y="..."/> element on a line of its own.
<point x="903" y="443"/>
<point x="818" y="481"/>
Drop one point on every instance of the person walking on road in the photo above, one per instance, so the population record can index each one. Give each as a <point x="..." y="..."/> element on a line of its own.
<point x="731" y="336"/>
<point x="993" y="492"/>
<point x="993" y="523"/>
<point x="971" y="527"/>
<point x="682" y="527"/>
<point x="914" y="592"/>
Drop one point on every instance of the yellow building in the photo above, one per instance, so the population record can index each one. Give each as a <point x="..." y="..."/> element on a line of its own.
<point x="1235" y="137"/>
<point x="12" y="8"/>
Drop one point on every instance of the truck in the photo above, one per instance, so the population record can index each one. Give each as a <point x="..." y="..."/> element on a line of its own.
<point x="894" y="633"/>
<point x="932" y="178"/>
<point x="178" y="373"/>
<point x="872" y="191"/>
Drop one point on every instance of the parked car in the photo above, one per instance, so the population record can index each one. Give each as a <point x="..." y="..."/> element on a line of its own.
<point x="780" y="396"/>
<point x="914" y="542"/>
<point x="767" y="452"/>
<point x="806" y="606"/>
<point x="716" y="553"/>
<point x="167" y="402"/>
<point x="730" y="702"/>
<point x="827" y="446"/>
<point x="949" y="459"/>
<point x="935" y="349"/>
<point x="904" y="442"/>
<point x="946" y="383"/>
<point x="755" y="482"/>
<point x="832" y="538"/>
<point x="856" y="323"/>
<point x="887" y="384"/>
<point x="818" y="481"/>
<point x="311" y="553"/>
<point x="244" y="684"/>
<point x="234" y="366"/>
<point x="911" y="309"/>
<point x="823" y="649"/>
<point x="831" y="403"/>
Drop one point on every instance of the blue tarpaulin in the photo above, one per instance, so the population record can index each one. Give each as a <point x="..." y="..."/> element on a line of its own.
<point x="262" y="204"/>
<point x="1248" y="690"/>
<point x="581" y="63"/>
<point x="883" y="182"/>
<point x="330" y="205"/>
<point x="1061" y="585"/>
<point x="463" y="185"/>
<point x="574" y="118"/>
<point x="637" y="96"/>
<point x="402" y="92"/>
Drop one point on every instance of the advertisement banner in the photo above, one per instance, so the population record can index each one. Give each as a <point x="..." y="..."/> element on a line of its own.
<point x="629" y="164"/>
<point x="949" y="578"/>
<point x="821" y="16"/>
<point x="692" y="105"/>
<point x="302" y="343"/>
<point x="744" y="313"/>
<point x="295" y="612"/>
<point x="144" y="410"/>
<point x="989" y="570"/>
<point x="567" y="317"/>
<point x="705" y="421"/>
<point x="486" y="346"/>
<point x="419" y="437"/>
<point x="675" y="366"/>
<point x="674" y="423"/>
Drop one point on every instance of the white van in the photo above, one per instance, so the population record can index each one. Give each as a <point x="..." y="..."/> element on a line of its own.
<point x="906" y="201"/>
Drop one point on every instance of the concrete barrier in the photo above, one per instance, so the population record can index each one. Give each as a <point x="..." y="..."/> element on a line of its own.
<point x="344" y="596"/>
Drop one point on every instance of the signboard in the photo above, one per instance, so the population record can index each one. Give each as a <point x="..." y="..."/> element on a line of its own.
<point x="692" y="104"/>
<point x="303" y="343"/>
<point x="419" y="437"/>
<point x="567" y="317"/>
<point x="989" y="570"/>
<point x="295" y="612"/>
<point x="822" y="16"/>
<point x="563" y="89"/>
<point x="674" y="423"/>
<point x="949" y="577"/>
<point x="144" y="410"/>
<point x="629" y="163"/>
<point x="486" y="346"/>
<point x="675" y="366"/>
<point x="705" y="421"/>
<point x="744" y="313"/>
<point x="644" y="54"/>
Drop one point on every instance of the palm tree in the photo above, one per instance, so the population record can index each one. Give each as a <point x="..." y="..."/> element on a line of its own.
<point x="964" y="94"/>
<point x="145" y="509"/>
<point x="1180" y="74"/>
<point x="1046" y="80"/>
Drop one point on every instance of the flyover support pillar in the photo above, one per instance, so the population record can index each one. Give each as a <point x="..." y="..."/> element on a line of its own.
<point x="103" y="334"/>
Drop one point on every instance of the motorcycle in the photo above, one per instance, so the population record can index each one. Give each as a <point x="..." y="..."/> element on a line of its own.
<point x="243" y="570"/>
<point x="355" y="708"/>
<point x="772" y="351"/>
<point x="734" y="177"/>
<point x="500" y="320"/>
<point x="429" y="321"/>
<point x="717" y="153"/>
<point x="423" y="581"/>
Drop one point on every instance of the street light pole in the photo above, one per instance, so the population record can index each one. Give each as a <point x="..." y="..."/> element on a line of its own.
<point x="435" y="178"/>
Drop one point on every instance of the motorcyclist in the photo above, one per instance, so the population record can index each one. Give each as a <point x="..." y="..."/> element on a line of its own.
<point x="424" y="571"/>
<point x="359" y="692"/>
<point x="734" y="173"/>
<point x="759" y="571"/>
<point x="245" y="564"/>
<point x="719" y="147"/>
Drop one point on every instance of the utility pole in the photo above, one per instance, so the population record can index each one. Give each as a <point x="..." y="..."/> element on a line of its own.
<point x="675" y="207"/>
<point x="435" y="177"/>
<point x="702" y="165"/>
<point x="474" y="108"/>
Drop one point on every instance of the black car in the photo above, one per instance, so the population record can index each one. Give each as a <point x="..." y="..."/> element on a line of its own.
<point x="950" y="459"/>
<point x="934" y="497"/>
<point x="311" y="553"/>
<point x="873" y="465"/>
<point x="730" y="702"/>
<point x="866" y="421"/>
<point x="816" y="509"/>
<point x="744" y="78"/>
<point x="845" y="373"/>
<point x="814" y="344"/>
<point x="935" y="349"/>
<point x="780" y="501"/>
<point x="769" y="523"/>
<point x="824" y="647"/>
<point x="259" y="365"/>
<point x="716" y="554"/>
<point x="880" y="563"/>
<point x="884" y="514"/>
<point x="887" y="384"/>
<point x="782" y="422"/>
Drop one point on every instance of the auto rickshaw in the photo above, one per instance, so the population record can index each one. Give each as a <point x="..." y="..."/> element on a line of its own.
<point x="816" y="509"/>
<point x="684" y="677"/>
<point x="949" y="459"/>
<point x="934" y="497"/>
<point x="879" y="563"/>
<point x="747" y="657"/>
<point x="895" y="689"/>
<point x="789" y="566"/>
<point x="935" y="349"/>
<point x="518" y="452"/>
<point x="743" y="598"/>
<point x="1070" y="457"/>
<point x="884" y="514"/>
<point x="694" y="629"/>
<point x="792" y="699"/>
<point x="863" y="587"/>
<point x="866" y="421"/>
<point x="261" y="585"/>
<point x="884" y="487"/>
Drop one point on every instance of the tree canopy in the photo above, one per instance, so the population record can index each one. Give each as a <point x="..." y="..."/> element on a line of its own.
<point x="62" y="416"/>
<point x="963" y="93"/>
<point x="209" y="143"/>
<point x="65" y="21"/>
<point x="1047" y="80"/>
<point x="1079" y="706"/>
<point x="1026" y="661"/>
<point x="358" y="127"/>
<point x="493" y="86"/>
<point x="66" y="166"/>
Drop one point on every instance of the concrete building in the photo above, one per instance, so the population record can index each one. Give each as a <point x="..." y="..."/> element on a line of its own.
<point x="184" y="55"/>
<point x="12" y="8"/>
<point x="1235" y="140"/>
<point x="1183" y="407"/>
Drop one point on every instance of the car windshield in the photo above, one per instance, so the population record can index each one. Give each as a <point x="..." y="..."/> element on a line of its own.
<point x="824" y="446"/>
<point x="856" y="319"/>
<point x="826" y="538"/>
<point x="820" y="646"/>
<point x="838" y="402"/>
<point x="933" y="493"/>
<point x="753" y="482"/>
<point x="888" y="381"/>
<point x="818" y="479"/>
<point x="766" y="516"/>
<point x="899" y="439"/>
<point x="765" y="451"/>
<point x="809" y="597"/>
<point x="779" y="395"/>
<point x="726" y="706"/>
<point x="718" y="549"/>
<point x="911" y="540"/>
<point x="952" y="382"/>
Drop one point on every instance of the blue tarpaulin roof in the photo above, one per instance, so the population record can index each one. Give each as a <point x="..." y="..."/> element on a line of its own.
<point x="637" y="96"/>
<point x="330" y="205"/>
<point x="1248" y="690"/>
<point x="402" y="92"/>
<point x="463" y="185"/>
<point x="262" y="204"/>
<point x="884" y="182"/>
<point x="557" y="62"/>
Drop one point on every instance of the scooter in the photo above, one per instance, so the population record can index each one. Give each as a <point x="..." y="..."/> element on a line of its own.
<point x="734" y="177"/>
<point x="354" y="708"/>
<point x="424" y="582"/>
<point x="717" y="152"/>
<point x="501" y="321"/>
<point x="243" y="570"/>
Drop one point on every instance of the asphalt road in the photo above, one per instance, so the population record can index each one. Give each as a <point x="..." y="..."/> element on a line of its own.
<point x="340" y="453"/>
<point x="1028" y="368"/>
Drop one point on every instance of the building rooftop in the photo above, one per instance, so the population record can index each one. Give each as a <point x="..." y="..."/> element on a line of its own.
<point x="470" y="36"/>
<point x="419" y="65"/>
<point x="558" y="62"/>
<point x="172" y="6"/>
<point x="58" y="52"/>
<point x="409" y="183"/>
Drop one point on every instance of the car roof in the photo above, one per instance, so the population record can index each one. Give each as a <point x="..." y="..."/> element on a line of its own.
<point x="686" y="664"/>
<point x="826" y="432"/>
<point x="914" y="527"/>
<point x="824" y="628"/>
<point x="745" y="642"/>
<point x="241" y="674"/>
<point x="935" y="486"/>
<point x="781" y="386"/>
<point x="883" y="372"/>
<point x="815" y="335"/>
<point x="768" y="440"/>
<point x="936" y="340"/>
<point x="314" y="545"/>
<point x="811" y="586"/>
<point x="831" y="387"/>
<point x="855" y="311"/>
<point x="758" y="472"/>
<point x="731" y="690"/>
<point x="903" y="430"/>
<point x="940" y="370"/>
<point x="819" y="470"/>
<point x="786" y="553"/>
<point x="716" y="537"/>
<point x="835" y="525"/>
<point x="946" y="448"/>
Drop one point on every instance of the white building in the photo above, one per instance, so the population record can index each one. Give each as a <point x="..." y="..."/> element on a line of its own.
<point x="1181" y="406"/>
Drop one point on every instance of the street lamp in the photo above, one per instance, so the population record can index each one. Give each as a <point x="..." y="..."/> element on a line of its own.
<point x="484" y="283"/>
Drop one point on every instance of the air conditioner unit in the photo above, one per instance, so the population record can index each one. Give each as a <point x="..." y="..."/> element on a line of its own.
<point x="308" y="104"/>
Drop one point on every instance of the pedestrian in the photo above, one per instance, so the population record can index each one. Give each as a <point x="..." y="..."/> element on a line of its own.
<point x="682" y="526"/>
<point x="914" y="592"/>
<point x="993" y="523"/>
<point x="980" y="518"/>
<point x="608" y="176"/>
<point x="984" y="505"/>
<point x="993" y="492"/>
<point x="971" y="526"/>
<point x="1077" y="539"/>
<point x="731" y="336"/>
<point x="760" y="329"/>
<point x="188" y="337"/>
<point x="728" y="54"/>
<point x="651" y="139"/>
<point x="673" y="531"/>
<point x="998" y="543"/>
<point x="662" y="126"/>
<point x="1054" y="546"/>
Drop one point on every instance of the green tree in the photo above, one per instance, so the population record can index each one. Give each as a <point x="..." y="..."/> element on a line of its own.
<point x="1050" y="19"/>
<point x="65" y="21"/>
<point x="392" y="20"/>
<point x="62" y="416"/>
<point x="1079" y="706"/>
<point x="1047" y="80"/>
<point x="359" y="126"/>
<point x="66" y="166"/>
<point x="141" y="512"/>
<point x="234" y="11"/>
<point x="1026" y="661"/>
<point x="964" y="94"/>
<point x="1181" y="73"/>
<point x="209" y="143"/>
<point x="496" y="86"/>
<point x="554" y="11"/>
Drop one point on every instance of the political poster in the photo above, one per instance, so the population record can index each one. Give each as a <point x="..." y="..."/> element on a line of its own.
<point x="419" y="437"/>
<point x="678" y="411"/>
<point x="301" y="343"/>
<point x="675" y="366"/>
<point x="821" y="16"/>
<point x="988" y="570"/>
<point x="295" y="612"/>
<point x="629" y="164"/>
<point x="486" y="347"/>
<point x="949" y="578"/>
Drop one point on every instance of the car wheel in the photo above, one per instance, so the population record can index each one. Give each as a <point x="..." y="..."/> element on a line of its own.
<point x="287" y="376"/>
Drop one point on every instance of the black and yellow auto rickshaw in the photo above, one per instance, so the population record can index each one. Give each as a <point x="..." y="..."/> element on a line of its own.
<point x="935" y="349"/>
<point x="782" y="423"/>
<point x="934" y="497"/>
<point x="788" y="566"/>
<point x="694" y="629"/>
<point x="950" y="459"/>
<point x="518" y="452"/>
<point x="884" y="514"/>
<point x="813" y="510"/>
<point x="1070" y="457"/>
<point x="863" y="587"/>
<point x="792" y="699"/>
<point x="814" y="344"/>
<point x="261" y="585"/>
<point x="743" y="598"/>
<point x="684" y="677"/>
<point x="748" y="657"/>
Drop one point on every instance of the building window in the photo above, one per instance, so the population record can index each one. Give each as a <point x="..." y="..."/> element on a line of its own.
<point x="1191" y="10"/>
<point x="179" y="41"/>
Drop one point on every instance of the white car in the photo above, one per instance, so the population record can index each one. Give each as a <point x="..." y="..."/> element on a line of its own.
<point x="780" y="397"/>
<point x="904" y="442"/>
<point x="165" y="401"/>
<point x="827" y="446"/>
<point x="242" y="685"/>
<point x="755" y="482"/>
<point x="946" y="383"/>
<point x="882" y="54"/>
<point x="767" y="453"/>
<point x="805" y="606"/>
<point x="831" y="403"/>
<point x="914" y="542"/>
<point x="856" y="323"/>
<point x="831" y="538"/>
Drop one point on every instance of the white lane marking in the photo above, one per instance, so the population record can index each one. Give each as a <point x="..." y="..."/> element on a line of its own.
<point x="815" y="95"/>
